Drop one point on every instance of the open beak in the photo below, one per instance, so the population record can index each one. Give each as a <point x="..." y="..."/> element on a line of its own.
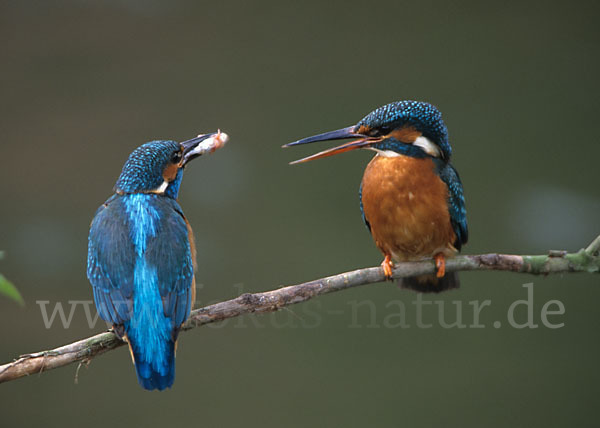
<point x="363" y="141"/>
<point x="205" y="143"/>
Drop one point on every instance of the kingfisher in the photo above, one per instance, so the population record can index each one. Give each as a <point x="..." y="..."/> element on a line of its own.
<point x="142" y="257"/>
<point x="411" y="198"/>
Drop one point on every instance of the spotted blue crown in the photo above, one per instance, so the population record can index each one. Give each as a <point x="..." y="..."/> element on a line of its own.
<point x="144" y="168"/>
<point x="424" y="117"/>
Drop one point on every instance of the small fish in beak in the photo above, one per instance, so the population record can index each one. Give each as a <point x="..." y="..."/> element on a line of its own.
<point x="203" y="144"/>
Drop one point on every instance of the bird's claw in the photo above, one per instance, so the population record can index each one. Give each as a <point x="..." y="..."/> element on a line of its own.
<point x="388" y="267"/>
<point x="440" y="264"/>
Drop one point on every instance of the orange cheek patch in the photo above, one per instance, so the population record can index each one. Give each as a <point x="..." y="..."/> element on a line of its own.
<point x="170" y="172"/>
<point x="363" y="130"/>
<point x="406" y="134"/>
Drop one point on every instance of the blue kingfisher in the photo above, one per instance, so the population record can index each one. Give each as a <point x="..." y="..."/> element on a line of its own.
<point x="142" y="258"/>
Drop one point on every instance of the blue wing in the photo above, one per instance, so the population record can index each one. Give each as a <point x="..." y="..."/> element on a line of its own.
<point x="456" y="204"/>
<point x="112" y="259"/>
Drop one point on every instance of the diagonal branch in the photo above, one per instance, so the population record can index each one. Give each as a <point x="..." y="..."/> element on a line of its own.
<point x="585" y="260"/>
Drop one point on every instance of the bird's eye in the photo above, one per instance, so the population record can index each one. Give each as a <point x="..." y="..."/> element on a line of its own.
<point x="375" y="132"/>
<point x="384" y="130"/>
<point x="176" y="158"/>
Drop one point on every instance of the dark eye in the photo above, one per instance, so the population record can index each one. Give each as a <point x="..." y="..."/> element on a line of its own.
<point x="383" y="130"/>
<point x="176" y="158"/>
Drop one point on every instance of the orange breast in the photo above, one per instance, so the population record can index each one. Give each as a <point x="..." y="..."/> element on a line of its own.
<point x="405" y="202"/>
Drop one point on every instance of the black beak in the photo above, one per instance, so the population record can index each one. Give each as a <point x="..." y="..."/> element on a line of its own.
<point x="340" y="134"/>
<point x="192" y="148"/>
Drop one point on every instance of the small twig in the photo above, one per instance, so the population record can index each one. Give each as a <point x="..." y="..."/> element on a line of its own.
<point x="85" y="363"/>
<point x="269" y="301"/>
<point x="594" y="247"/>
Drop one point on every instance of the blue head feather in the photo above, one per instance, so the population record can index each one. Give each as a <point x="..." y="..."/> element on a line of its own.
<point x="399" y="147"/>
<point x="424" y="117"/>
<point x="143" y="171"/>
<point x="173" y="189"/>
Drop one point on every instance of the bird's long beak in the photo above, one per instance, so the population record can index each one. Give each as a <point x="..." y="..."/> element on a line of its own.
<point x="349" y="132"/>
<point x="202" y="144"/>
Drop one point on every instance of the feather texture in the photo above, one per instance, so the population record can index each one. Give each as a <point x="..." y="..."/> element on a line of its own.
<point x="414" y="208"/>
<point x="456" y="203"/>
<point x="141" y="270"/>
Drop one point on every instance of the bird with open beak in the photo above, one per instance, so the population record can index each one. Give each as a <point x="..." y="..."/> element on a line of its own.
<point x="411" y="198"/>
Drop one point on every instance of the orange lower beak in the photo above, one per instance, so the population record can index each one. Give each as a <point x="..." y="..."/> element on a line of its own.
<point x="340" y="134"/>
<point x="356" y="144"/>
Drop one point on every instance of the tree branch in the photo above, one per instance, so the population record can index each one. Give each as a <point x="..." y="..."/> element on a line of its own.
<point x="585" y="260"/>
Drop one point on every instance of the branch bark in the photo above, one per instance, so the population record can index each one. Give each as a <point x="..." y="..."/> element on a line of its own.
<point x="82" y="351"/>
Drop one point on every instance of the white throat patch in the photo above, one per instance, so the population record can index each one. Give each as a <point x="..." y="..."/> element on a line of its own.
<point x="385" y="153"/>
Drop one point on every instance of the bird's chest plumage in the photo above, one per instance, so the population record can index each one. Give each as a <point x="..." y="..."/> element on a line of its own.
<point x="406" y="205"/>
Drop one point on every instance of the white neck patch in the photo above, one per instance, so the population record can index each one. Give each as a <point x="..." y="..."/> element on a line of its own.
<point x="162" y="188"/>
<point x="428" y="147"/>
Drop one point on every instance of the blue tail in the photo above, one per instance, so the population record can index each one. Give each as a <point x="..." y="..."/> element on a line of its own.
<point x="153" y="349"/>
<point x="150" y="333"/>
<point x="155" y="371"/>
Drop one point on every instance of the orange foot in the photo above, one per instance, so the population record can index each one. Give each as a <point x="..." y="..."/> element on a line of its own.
<point x="440" y="264"/>
<point x="387" y="266"/>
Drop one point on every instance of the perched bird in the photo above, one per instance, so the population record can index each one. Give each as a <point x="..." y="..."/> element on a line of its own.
<point x="141" y="255"/>
<point x="411" y="198"/>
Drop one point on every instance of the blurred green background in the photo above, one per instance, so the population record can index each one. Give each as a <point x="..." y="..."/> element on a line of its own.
<point x="85" y="82"/>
